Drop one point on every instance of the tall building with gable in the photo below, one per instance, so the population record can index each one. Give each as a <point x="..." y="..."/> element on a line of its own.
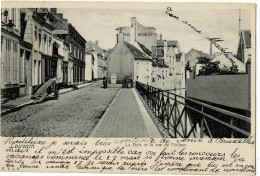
<point x="137" y="32"/>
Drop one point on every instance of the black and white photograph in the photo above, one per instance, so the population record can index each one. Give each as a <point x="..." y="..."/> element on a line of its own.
<point x="128" y="87"/>
<point x="126" y="73"/>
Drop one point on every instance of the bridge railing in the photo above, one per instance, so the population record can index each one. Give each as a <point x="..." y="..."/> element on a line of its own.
<point x="186" y="118"/>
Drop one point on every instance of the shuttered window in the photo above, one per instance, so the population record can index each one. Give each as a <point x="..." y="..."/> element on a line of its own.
<point x="15" y="62"/>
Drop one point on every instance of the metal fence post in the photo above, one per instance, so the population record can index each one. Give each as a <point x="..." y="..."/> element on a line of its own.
<point x="231" y="123"/>
<point x="201" y="123"/>
<point x="167" y="110"/>
<point x="175" y="114"/>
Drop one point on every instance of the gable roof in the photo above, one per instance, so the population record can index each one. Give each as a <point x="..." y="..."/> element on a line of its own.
<point x="145" y="50"/>
<point x="136" y="52"/>
<point x="246" y="34"/>
<point x="94" y="46"/>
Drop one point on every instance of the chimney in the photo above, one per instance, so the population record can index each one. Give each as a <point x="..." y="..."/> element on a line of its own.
<point x="133" y="30"/>
<point x="160" y="36"/>
<point x="133" y="21"/>
<point x="120" y="37"/>
<point x="53" y="10"/>
<point x="96" y="42"/>
<point x="153" y="51"/>
<point x="60" y="15"/>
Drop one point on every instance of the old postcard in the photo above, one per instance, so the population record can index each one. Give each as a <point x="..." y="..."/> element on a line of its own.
<point x="136" y="87"/>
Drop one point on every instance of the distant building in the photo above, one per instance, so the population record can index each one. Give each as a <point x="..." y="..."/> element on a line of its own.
<point x="128" y="60"/>
<point x="154" y="62"/>
<point x="91" y="64"/>
<point x="147" y="36"/>
<point x="168" y="65"/>
<point x="76" y="62"/>
<point x="100" y="69"/>
<point x="62" y="64"/>
<point x="244" y="46"/>
<point x="193" y="56"/>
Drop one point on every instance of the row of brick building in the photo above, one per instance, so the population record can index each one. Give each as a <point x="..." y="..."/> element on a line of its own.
<point x="38" y="44"/>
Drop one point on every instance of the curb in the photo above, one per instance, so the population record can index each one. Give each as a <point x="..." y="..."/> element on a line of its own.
<point x="30" y="102"/>
<point x="96" y="128"/>
<point x="159" y="126"/>
<point x="151" y="127"/>
<point x="15" y="109"/>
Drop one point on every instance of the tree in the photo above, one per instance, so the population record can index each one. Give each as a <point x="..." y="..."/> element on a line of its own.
<point x="187" y="66"/>
<point x="203" y="60"/>
<point x="210" y="68"/>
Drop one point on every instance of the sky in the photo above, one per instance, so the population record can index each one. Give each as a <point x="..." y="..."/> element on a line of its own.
<point x="100" y="24"/>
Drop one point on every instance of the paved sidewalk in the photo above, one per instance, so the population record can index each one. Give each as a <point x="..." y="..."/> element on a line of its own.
<point x="25" y="100"/>
<point x="126" y="117"/>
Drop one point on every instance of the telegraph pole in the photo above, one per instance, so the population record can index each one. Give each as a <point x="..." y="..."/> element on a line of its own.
<point x="210" y="43"/>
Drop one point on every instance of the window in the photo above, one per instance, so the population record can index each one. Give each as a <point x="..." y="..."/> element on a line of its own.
<point x="8" y="45"/>
<point x="45" y="44"/>
<point x="35" y="33"/>
<point x="2" y="43"/>
<point x="40" y="39"/>
<point x="15" y="62"/>
<point x="163" y="74"/>
<point x="35" y="71"/>
<point x="49" y="48"/>
<point x="93" y="59"/>
<point x="15" y="47"/>
<point x="70" y="48"/>
<point x="7" y="60"/>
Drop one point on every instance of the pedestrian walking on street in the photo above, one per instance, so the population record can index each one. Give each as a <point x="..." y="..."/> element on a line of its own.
<point x="56" y="92"/>
<point x="105" y="82"/>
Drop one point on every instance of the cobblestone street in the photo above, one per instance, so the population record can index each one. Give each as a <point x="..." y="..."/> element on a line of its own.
<point x="74" y="114"/>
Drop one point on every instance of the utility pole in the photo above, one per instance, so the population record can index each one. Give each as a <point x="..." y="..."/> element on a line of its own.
<point x="210" y="43"/>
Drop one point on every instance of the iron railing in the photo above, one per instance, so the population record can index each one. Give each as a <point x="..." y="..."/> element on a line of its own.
<point x="186" y="118"/>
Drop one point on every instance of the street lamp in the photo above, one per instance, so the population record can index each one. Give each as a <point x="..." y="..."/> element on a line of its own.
<point x="5" y="13"/>
<point x="9" y="25"/>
